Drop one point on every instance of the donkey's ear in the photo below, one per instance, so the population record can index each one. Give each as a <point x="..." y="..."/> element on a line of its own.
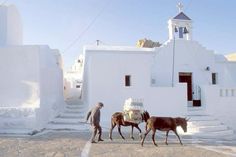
<point x="187" y="119"/>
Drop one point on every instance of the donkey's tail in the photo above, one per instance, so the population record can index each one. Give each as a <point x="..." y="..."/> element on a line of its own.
<point x="112" y="122"/>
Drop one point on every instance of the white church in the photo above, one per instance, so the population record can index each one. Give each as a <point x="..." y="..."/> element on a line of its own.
<point x="179" y="78"/>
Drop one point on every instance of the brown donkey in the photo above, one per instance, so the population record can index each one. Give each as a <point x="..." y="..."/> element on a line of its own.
<point x="164" y="124"/>
<point x="117" y="119"/>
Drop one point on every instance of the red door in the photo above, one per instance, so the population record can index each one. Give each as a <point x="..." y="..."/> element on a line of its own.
<point x="187" y="78"/>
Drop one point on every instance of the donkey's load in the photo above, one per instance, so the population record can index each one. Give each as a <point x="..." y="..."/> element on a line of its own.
<point x="133" y="109"/>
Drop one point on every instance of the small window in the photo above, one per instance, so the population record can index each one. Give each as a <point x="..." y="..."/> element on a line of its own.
<point x="77" y="86"/>
<point x="214" y="78"/>
<point x="153" y="81"/>
<point x="127" y="80"/>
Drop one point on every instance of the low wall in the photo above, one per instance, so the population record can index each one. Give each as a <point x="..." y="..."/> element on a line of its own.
<point x="19" y="82"/>
<point x="51" y="96"/>
<point x="158" y="101"/>
<point x="220" y="102"/>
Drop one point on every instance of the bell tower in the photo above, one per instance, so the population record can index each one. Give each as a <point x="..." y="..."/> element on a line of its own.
<point x="180" y="26"/>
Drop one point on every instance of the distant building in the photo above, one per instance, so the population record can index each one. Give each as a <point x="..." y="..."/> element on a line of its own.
<point x="231" y="57"/>
<point x="147" y="43"/>
<point x="73" y="79"/>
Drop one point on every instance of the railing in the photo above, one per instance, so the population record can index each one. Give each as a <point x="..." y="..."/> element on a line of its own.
<point x="228" y="92"/>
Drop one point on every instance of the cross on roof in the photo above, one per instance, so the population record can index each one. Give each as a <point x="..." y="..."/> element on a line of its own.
<point x="180" y="7"/>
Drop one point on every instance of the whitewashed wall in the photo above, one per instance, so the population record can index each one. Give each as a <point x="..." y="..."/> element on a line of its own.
<point x="51" y="86"/>
<point x="19" y="82"/>
<point x="10" y="26"/>
<point x="221" y="103"/>
<point x="190" y="56"/>
<point x="31" y="78"/>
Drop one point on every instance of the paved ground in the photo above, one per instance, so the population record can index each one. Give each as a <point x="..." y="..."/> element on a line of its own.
<point x="69" y="144"/>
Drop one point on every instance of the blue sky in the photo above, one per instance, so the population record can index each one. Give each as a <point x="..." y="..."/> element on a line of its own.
<point x="58" y="23"/>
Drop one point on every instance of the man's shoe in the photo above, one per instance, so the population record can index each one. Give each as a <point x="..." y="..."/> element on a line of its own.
<point x="100" y="139"/>
<point x="93" y="142"/>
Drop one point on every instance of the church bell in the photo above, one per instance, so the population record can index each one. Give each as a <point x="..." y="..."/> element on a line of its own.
<point x="176" y="30"/>
<point x="185" y="30"/>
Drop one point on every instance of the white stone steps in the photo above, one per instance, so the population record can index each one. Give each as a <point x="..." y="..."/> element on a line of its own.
<point x="74" y="102"/>
<point x="60" y="120"/>
<point x="196" y="111"/>
<point x="217" y="134"/>
<point x="72" y="118"/>
<point x="213" y="128"/>
<point x="201" y="118"/>
<point x="79" y="127"/>
<point x="74" y="111"/>
<point x="16" y="123"/>
<point x="206" y="129"/>
<point x="79" y="115"/>
<point x="204" y="126"/>
<point x="74" y="107"/>
<point x="16" y="131"/>
<point x="204" y="123"/>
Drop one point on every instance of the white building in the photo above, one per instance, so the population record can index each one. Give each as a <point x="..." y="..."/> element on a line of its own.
<point x="174" y="79"/>
<point x="31" y="83"/>
<point x="73" y="80"/>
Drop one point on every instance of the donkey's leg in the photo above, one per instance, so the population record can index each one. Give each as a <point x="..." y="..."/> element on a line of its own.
<point x="145" y="136"/>
<point x="178" y="136"/>
<point x="120" y="131"/>
<point x="167" y="136"/>
<point x="132" y="131"/>
<point x="113" y="125"/>
<point x="140" y="132"/>
<point x="153" y="137"/>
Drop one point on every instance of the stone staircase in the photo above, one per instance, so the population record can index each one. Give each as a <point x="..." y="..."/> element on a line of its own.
<point x="205" y="126"/>
<point x="72" y="118"/>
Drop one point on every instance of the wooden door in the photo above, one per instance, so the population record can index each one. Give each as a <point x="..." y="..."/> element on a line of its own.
<point x="187" y="78"/>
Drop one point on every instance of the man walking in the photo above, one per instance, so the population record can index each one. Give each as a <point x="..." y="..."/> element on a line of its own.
<point x="94" y="115"/>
